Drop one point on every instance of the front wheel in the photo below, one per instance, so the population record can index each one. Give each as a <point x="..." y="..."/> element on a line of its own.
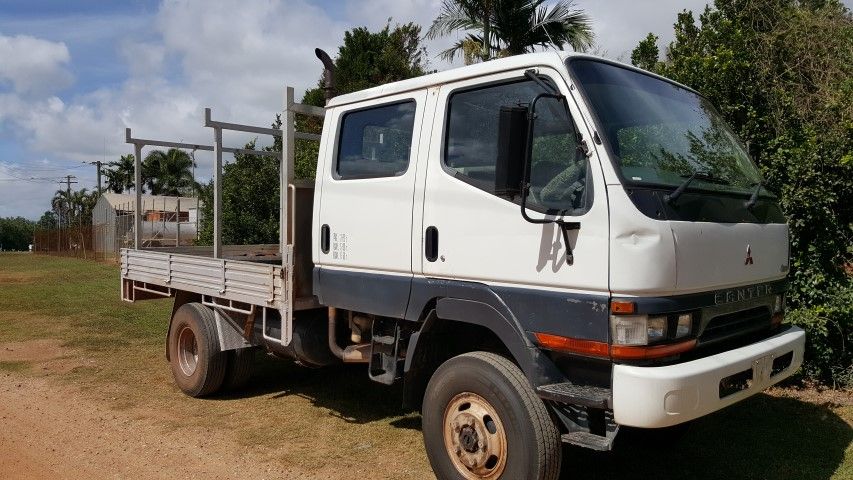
<point x="483" y="421"/>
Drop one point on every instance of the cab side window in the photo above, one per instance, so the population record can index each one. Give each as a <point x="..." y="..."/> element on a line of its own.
<point x="558" y="172"/>
<point x="376" y="142"/>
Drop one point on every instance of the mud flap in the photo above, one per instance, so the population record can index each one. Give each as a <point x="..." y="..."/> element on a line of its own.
<point x="229" y="331"/>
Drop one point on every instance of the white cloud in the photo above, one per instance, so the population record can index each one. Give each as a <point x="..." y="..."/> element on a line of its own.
<point x="235" y="56"/>
<point x="33" y="65"/>
<point x="144" y="59"/>
<point x="620" y="24"/>
<point x="240" y="54"/>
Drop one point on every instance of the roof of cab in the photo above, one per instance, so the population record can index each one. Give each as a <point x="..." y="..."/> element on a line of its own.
<point x="528" y="60"/>
<point x="552" y="59"/>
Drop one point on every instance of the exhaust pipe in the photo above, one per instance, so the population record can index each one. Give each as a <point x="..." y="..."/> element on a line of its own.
<point x="328" y="73"/>
<point x="352" y="354"/>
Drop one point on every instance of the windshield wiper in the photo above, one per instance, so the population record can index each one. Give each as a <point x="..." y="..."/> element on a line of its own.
<point x="753" y="199"/>
<point x="699" y="175"/>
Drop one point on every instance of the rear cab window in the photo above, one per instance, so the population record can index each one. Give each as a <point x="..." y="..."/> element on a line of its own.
<point x="376" y="141"/>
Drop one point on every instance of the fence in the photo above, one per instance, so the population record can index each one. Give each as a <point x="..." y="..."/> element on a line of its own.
<point x="104" y="240"/>
<point x="71" y="241"/>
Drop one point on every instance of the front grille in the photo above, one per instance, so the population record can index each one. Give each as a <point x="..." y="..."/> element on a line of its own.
<point x="737" y="324"/>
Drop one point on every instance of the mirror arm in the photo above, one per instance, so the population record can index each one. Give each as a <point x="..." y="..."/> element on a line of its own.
<point x="532" y="75"/>
<point x="564" y="228"/>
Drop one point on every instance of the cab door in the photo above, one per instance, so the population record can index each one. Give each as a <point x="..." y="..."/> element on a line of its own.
<point x="365" y="214"/>
<point x="480" y="235"/>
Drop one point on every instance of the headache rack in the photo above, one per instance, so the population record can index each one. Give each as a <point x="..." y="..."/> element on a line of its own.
<point x="248" y="279"/>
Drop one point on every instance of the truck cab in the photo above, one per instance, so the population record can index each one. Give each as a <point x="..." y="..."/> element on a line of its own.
<point x="543" y="249"/>
<point x="599" y="226"/>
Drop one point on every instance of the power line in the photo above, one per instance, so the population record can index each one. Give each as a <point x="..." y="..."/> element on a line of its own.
<point x="29" y="179"/>
<point x="18" y="166"/>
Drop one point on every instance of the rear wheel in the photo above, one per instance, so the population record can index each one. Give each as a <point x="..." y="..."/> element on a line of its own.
<point x="198" y="365"/>
<point x="483" y="421"/>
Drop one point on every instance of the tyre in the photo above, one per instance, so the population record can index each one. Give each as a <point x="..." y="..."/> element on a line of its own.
<point x="198" y="365"/>
<point x="238" y="368"/>
<point x="482" y="420"/>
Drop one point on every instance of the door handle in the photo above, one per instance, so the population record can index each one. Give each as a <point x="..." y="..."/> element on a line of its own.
<point x="431" y="244"/>
<point x="324" y="238"/>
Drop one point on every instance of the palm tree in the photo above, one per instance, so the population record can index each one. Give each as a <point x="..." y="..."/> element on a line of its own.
<point x="511" y="27"/>
<point x="60" y="203"/>
<point x="120" y="176"/>
<point x="169" y="173"/>
<point x="74" y="207"/>
<point x="82" y="204"/>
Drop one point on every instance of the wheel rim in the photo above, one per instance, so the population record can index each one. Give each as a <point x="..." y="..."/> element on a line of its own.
<point x="187" y="351"/>
<point x="474" y="437"/>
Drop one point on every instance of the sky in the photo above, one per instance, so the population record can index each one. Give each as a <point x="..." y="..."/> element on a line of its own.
<point x="75" y="73"/>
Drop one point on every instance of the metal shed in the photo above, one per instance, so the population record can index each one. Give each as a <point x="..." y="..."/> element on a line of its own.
<point x="165" y="221"/>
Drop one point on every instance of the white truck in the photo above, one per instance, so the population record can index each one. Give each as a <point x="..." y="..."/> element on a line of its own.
<point x="543" y="248"/>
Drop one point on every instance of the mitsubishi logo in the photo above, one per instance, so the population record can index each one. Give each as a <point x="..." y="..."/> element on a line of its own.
<point x="748" y="260"/>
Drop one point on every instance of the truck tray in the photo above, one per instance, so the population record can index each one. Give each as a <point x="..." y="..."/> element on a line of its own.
<point x="145" y="273"/>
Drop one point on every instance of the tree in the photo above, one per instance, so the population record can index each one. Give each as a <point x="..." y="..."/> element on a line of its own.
<point x="120" y="174"/>
<point x="16" y="233"/>
<point x="74" y="208"/>
<point x="511" y="27"/>
<point x="646" y="54"/>
<point x="250" y="201"/>
<point x="250" y="184"/>
<point x="60" y="203"/>
<point x="366" y="59"/>
<point x="169" y="173"/>
<point x="47" y="221"/>
<point x="781" y="73"/>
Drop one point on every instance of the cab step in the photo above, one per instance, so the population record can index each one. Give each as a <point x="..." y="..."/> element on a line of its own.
<point x="590" y="440"/>
<point x="386" y="364"/>
<point x="573" y="394"/>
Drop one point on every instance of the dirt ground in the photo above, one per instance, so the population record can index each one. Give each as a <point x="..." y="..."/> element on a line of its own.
<point x="85" y="393"/>
<point x="54" y="432"/>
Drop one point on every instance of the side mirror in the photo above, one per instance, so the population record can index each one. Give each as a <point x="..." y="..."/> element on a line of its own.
<point x="557" y="114"/>
<point x="512" y="147"/>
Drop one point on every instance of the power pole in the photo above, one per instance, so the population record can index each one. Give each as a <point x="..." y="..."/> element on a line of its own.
<point x="67" y="183"/>
<point x="97" y="164"/>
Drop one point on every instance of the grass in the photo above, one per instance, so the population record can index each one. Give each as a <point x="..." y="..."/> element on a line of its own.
<point x="314" y="419"/>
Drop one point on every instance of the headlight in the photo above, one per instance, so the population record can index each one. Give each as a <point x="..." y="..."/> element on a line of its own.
<point x="629" y="329"/>
<point x="637" y="329"/>
<point x="684" y="325"/>
<point x="778" y="311"/>
<point x="779" y="304"/>
<point x="656" y="328"/>
<point x="646" y="329"/>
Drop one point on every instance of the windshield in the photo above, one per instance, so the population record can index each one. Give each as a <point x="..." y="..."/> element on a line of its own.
<point x="661" y="133"/>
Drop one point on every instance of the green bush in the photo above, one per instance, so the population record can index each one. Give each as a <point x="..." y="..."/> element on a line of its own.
<point x="781" y="73"/>
<point x="829" y="349"/>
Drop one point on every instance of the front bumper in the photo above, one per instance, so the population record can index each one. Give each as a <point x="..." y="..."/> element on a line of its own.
<point x="654" y="397"/>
